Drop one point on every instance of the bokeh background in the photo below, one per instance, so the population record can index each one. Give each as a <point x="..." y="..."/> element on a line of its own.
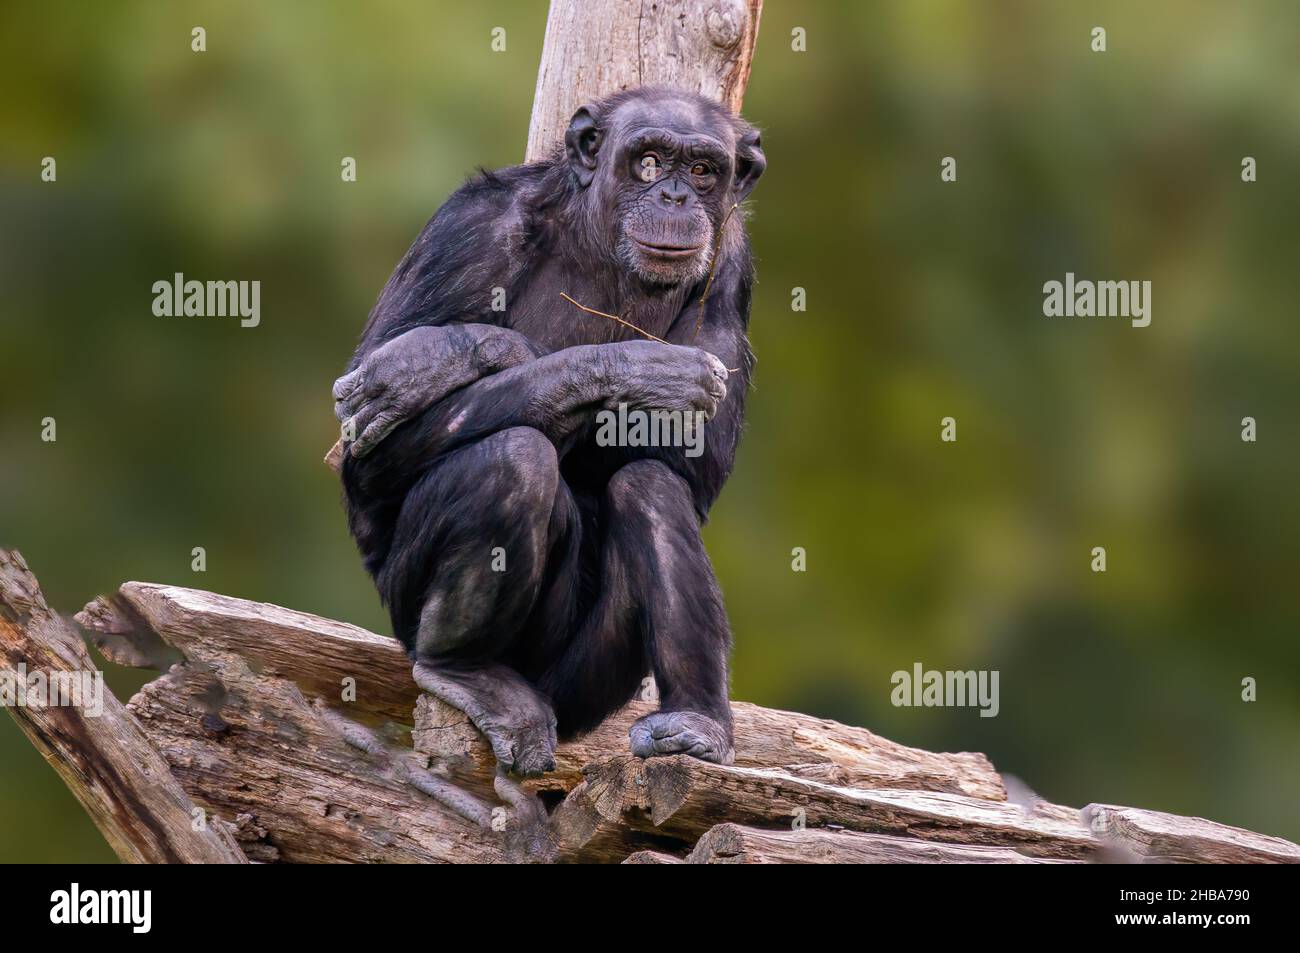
<point x="924" y="301"/>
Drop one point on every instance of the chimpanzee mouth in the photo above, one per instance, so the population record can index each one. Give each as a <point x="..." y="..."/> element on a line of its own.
<point x="669" y="251"/>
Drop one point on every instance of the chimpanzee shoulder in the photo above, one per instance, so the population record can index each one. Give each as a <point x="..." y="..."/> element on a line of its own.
<point x="479" y="239"/>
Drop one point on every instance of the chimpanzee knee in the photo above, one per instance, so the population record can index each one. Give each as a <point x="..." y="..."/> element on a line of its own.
<point x="643" y="489"/>
<point x="523" y="463"/>
<point x="651" y="520"/>
<point x="470" y="545"/>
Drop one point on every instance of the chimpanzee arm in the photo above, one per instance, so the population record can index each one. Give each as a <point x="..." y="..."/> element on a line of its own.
<point x="559" y="395"/>
<point x="402" y="377"/>
<point x="723" y="334"/>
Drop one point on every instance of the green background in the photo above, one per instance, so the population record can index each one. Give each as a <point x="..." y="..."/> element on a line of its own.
<point x="924" y="301"/>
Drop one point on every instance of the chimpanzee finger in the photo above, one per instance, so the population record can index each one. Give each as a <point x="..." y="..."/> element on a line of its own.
<point x="349" y="406"/>
<point x="379" y="427"/>
<point x="357" y="414"/>
<point x="345" y="385"/>
<point x="372" y="389"/>
<point x="365" y="383"/>
<point x="716" y="366"/>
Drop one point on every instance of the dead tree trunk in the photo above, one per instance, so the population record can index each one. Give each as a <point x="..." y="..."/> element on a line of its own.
<point x="119" y="777"/>
<point x="597" y="47"/>
<point x="305" y="740"/>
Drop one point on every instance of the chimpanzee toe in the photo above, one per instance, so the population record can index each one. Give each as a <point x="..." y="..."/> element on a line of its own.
<point x="681" y="732"/>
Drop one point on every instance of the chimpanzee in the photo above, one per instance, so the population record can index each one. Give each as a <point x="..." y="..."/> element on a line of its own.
<point x="536" y="577"/>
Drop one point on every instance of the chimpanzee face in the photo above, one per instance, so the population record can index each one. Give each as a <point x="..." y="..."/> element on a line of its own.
<point x="666" y="168"/>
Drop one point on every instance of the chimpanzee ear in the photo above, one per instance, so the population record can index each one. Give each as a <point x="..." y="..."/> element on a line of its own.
<point x="581" y="142"/>
<point x="750" y="163"/>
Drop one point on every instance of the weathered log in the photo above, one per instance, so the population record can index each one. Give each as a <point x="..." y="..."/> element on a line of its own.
<point x="319" y="788"/>
<point x="257" y="722"/>
<point x="103" y="757"/>
<point x="256" y="675"/>
<point x="736" y="844"/>
<point x="320" y="656"/>
<point x="259" y="726"/>
<point x="652" y="857"/>
<point x="683" y="798"/>
<point x="816" y="748"/>
<point x="1154" y="837"/>
<point x="324" y="657"/>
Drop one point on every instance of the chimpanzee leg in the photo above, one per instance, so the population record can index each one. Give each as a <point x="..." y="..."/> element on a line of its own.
<point x="466" y="563"/>
<point x="602" y="659"/>
<point x="659" y="608"/>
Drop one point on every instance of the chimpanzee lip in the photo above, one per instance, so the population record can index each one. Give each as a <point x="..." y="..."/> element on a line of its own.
<point x="669" y="251"/>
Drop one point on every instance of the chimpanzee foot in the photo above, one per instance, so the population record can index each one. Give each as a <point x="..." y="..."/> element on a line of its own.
<point x="681" y="732"/>
<point x="526" y="749"/>
<point x="514" y="717"/>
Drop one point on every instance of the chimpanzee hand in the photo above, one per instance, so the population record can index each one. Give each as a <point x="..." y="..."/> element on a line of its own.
<point x="411" y="372"/>
<point x="653" y="376"/>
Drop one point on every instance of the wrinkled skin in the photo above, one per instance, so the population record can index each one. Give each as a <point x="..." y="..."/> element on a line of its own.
<point x="536" y="577"/>
<point x="404" y="377"/>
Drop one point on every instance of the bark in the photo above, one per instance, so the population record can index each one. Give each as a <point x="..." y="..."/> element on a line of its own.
<point x="104" y="758"/>
<point x="306" y="740"/>
<point x="684" y="798"/>
<point x="1138" y="836"/>
<point x="736" y="844"/>
<point x="303" y="725"/>
<point x="815" y="748"/>
<point x="594" y="49"/>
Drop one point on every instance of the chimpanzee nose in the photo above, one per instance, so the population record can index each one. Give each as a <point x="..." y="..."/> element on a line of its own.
<point x="673" y="193"/>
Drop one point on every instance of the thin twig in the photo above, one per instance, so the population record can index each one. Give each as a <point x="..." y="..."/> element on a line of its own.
<point x="627" y="324"/>
<point x="612" y="317"/>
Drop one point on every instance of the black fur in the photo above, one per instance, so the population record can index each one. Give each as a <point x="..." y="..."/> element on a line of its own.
<point x="476" y="430"/>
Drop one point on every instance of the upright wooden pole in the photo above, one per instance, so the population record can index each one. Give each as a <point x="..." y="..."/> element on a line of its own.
<point x="597" y="47"/>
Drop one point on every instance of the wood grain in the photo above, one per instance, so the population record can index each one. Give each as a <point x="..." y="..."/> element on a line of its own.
<point x="737" y="844"/>
<point x="1158" y="838"/>
<point x="815" y="748"/>
<point x="594" y="49"/>
<point x="254" y="725"/>
<point x="683" y="798"/>
<point x="107" y="762"/>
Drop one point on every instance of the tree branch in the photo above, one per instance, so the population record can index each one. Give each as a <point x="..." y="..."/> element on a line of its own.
<point x="310" y="734"/>
<point x="103" y="757"/>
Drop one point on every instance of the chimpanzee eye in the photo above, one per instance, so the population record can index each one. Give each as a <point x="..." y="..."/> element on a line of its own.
<point x="700" y="168"/>
<point x="650" y="167"/>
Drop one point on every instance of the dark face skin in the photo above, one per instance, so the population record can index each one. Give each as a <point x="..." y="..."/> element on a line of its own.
<point x="663" y="176"/>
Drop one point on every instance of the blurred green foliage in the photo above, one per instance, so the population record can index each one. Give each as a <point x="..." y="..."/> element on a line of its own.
<point x="924" y="300"/>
